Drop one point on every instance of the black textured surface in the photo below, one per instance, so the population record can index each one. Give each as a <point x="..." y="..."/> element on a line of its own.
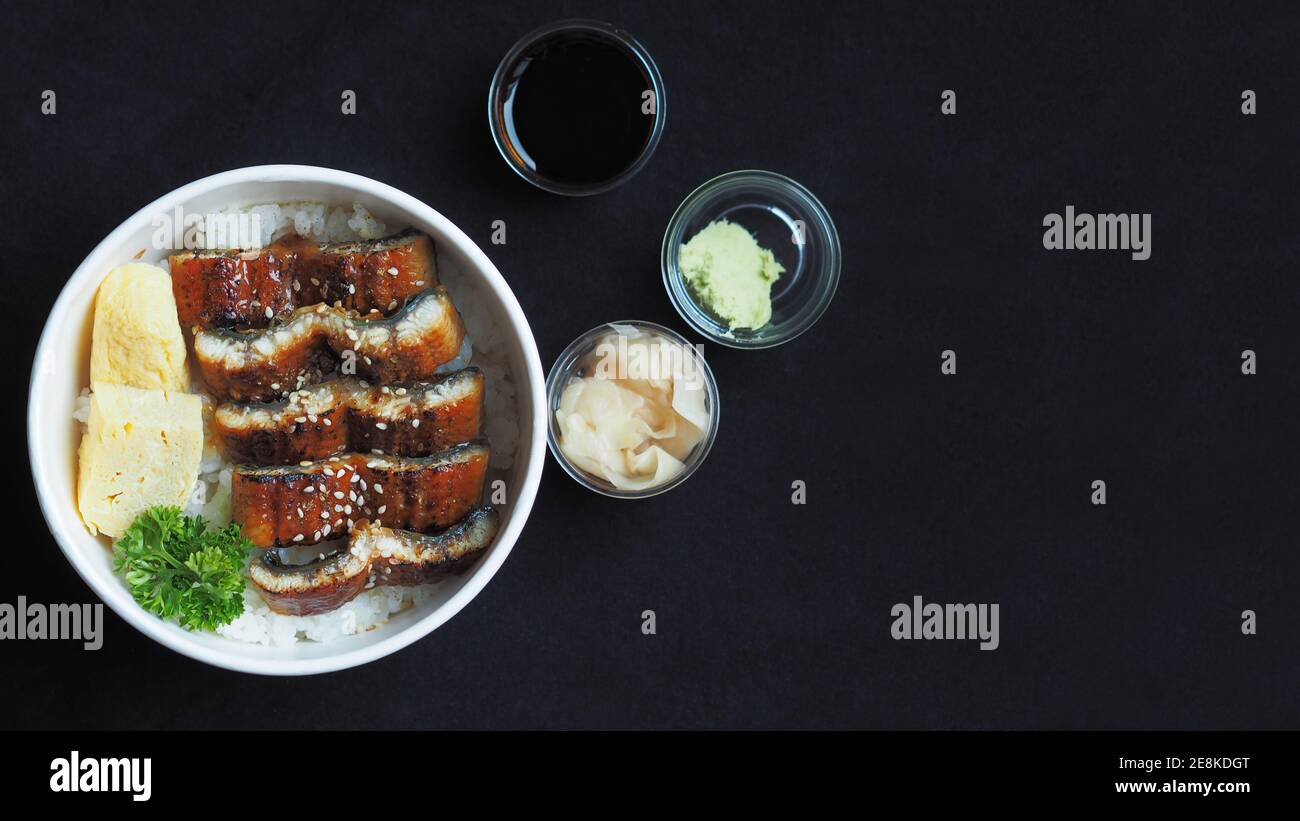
<point x="974" y="487"/>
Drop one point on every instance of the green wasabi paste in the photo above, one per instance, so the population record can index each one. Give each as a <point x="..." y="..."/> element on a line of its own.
<point x="730" y="274"/>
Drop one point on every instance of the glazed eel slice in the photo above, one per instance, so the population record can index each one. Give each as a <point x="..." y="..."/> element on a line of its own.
<point x="307" y="503"/>
<point x="410" y="419"/>
<point x="233" y="288"/>
<point x="270" y="364"/>
<point x="375" y="555"/>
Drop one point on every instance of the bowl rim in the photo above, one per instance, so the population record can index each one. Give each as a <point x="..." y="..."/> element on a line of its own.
<point x="619" y="35"/>
<point x="117" y="597"/>
<point x="671" y="276"/>
<point x="697" y="455"/>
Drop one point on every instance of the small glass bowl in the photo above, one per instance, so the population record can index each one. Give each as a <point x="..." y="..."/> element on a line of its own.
<point x="501" y="90"/>
<point x="786" y="219"/>
<point x="564" y="368"/>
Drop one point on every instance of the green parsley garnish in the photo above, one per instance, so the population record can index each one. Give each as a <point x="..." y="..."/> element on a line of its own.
<point x="177" y="568"/>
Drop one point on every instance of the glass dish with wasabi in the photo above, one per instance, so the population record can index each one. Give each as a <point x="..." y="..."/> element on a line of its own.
<point x="751" y="259"/>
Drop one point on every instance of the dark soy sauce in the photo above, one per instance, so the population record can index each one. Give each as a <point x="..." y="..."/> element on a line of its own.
<point x="574" y="109"/>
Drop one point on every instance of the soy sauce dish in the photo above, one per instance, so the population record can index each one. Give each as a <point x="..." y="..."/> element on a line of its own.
<point x="191" y="416"/>
<point x="577" y="107"/>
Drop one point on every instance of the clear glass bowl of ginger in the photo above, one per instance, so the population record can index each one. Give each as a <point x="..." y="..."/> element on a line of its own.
<point x="633" y="409"/>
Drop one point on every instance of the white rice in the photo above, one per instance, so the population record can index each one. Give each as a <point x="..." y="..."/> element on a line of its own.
<point x="211" y="498"/>
<point x="258" y="625"/>
<point x="315" y="220"/>
<point x="81" y="410"/>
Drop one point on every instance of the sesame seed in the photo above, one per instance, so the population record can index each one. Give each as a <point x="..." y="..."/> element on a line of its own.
<point x="392" y="272"/>
<point x="338" y="494"/>
<point x="298" y="538"/>
<point x="382" y="509"/>
<point x="269" y="312"/>
<point x="325" y="531"/>
<point x="275" y="386"/>
<point x="381" y="426"/>
<point x="328" y="422"/>
<point x="301" y="420"/>
<point x="316" y="536"/>
<point x="379" y="489"/>
<point x="392" y="305"/>
<point x="400" y="391"/>
<point x="415" y="423"/>
<point x="309" y="488"/>
<point x="315" y="281"/>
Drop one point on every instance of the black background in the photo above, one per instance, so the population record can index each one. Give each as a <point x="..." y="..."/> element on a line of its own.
<point x="975" y="487"/>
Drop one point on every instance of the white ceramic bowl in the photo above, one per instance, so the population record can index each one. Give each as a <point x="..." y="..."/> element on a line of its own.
<point x="62" y="368"/>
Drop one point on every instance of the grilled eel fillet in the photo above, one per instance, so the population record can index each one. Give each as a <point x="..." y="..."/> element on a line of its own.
<point x="375" y="555"/>
<point x="226" y="289"/>
<point x="269" y="364"/>
<point x="303" y="504"/>
<point x="414" y="419"/>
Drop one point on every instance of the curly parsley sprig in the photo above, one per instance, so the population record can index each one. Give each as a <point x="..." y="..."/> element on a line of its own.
<point x="176" y="568"/>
